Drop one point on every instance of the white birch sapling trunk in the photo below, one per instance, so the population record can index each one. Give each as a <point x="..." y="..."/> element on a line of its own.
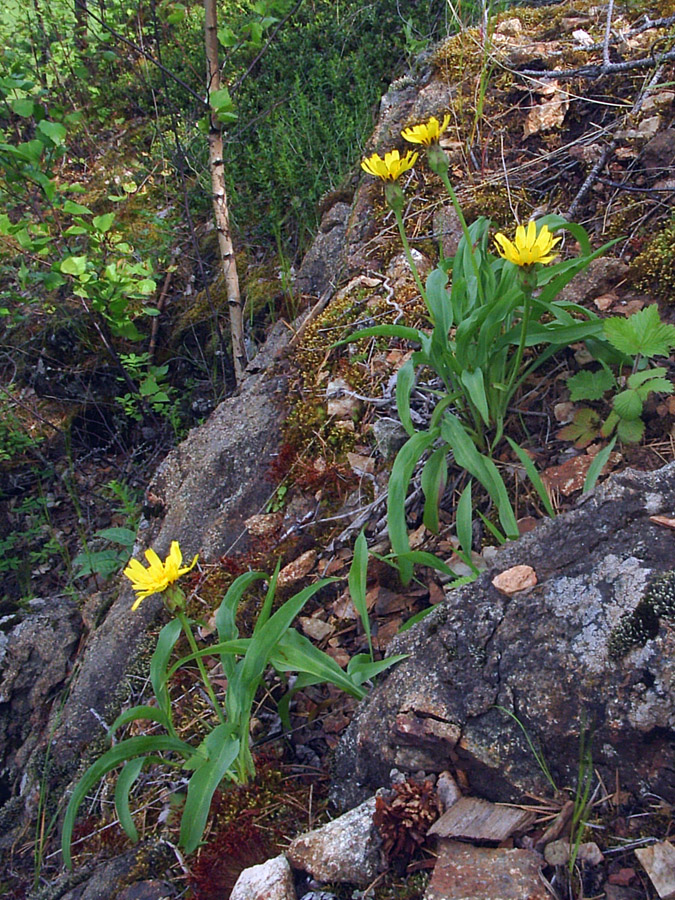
<point x="220" y="208"/>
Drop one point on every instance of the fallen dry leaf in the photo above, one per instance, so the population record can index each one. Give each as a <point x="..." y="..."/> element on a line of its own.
<point x="515" y="579"/>
<point x="605" y="301"/>
<point x="362" y="465"/>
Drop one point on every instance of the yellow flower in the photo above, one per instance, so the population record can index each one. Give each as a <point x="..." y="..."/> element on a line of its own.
<point x="529" y="247"/>
<point x="159" y="575"/>
<point x="428" y="133"/>
<point x="391" y="167"/>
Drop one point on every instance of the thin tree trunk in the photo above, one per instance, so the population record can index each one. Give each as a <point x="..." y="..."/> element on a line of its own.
<point x="220" y="208"/>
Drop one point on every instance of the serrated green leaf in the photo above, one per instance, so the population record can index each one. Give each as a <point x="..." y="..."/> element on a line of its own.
<point x="587" y="385"/>
<point x="630" y="431"/>
<point x="642" y="333"/>
<point x="628" y="405"/>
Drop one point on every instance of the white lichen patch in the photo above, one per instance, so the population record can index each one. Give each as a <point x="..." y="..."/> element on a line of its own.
<point x="591" y="613"/>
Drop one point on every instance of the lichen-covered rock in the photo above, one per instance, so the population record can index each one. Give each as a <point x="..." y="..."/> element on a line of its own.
<point x="588" y="646"/>
<point x="35" y="662"/>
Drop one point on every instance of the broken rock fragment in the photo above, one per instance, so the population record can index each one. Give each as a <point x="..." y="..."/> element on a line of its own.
<point x="346" y="849"/>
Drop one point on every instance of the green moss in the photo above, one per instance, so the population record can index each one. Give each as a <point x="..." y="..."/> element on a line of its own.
<point x="642" y="624"/>
<point x="654" y="269"/>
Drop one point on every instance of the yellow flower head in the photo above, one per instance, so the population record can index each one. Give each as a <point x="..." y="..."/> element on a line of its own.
<point x="427" y="133"/>
<point x="529" y="247"/>
<point x="159" y="575"/>
<point x="391" y="167"/>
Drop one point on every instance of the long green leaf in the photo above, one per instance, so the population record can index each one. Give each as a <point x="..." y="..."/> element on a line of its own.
<point x="464" y="520"/>
<point x="296" y="653"/>
<point x="399" y="479"/>
<point x="598" y="464"/>
<point x="222" y="750"/>
<point x="399" y="331"/>
<point x="534" y="476"/>
<point x="357" y="579"/>
<point x="125" y="781"/>
<point x="405" y="381"/>
<point x="159" y="662"/>
<point x="481" y="467"/>
<point x="434" y="479"/>
<point x="149" y="713"/>
<point x="120" y="753"/>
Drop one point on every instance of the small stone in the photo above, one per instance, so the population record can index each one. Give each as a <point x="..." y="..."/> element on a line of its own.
<point x="390" y="436"/>
<point x="263" y="524"/>
<point x="346" y="849"/>
<point x="297" y="569"/>
<point x="564" y="411"/>
<point x="557" y="853"/>
<point x="447" y="791"/>
<point x="590" y="854"/>
<point x="272" y="880"/>
<point x="515" y="579"/>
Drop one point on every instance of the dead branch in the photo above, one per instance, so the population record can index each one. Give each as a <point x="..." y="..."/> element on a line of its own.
<point x="598" y="71"/>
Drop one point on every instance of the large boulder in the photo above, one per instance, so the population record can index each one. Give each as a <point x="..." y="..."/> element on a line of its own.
<point x="588" y="649"/>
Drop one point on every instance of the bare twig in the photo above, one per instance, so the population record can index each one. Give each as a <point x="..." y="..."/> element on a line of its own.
<point x="608" y="151"/>
<point x="596" y="71"/>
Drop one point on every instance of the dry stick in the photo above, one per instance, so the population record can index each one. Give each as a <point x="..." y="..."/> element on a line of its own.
<point x="155" y="322"/>
<point x="220" y="205"/>
<point x="313" y="314"/>
<point x="608" y="34"/>
<point x="597" y="71"/>
<point x="608" y="151"/>
<point x="181" y="161"/>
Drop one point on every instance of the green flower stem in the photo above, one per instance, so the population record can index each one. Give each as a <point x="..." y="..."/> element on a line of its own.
<point x="409" y="256"/>
<point x="182" y="618"/>
<point x="527" y="308"/>
<point x="443" y="173"/>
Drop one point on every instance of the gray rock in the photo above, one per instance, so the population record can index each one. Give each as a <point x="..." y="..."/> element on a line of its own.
<point x="346" y="849"/>
<point x="598" y="278"/>
<point x="544" y="655"/>
<point x="323" y="261"/>
<point x="36" y="662"/>
<point x="390" y="436"/>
